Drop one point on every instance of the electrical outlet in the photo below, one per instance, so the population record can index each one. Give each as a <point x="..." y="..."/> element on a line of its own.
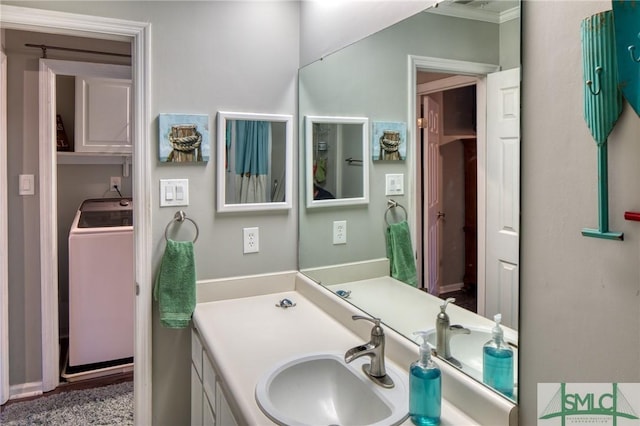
<point x="340" y="232"/>
<point x="251" y="240"/>
<point x="115" y="181"/>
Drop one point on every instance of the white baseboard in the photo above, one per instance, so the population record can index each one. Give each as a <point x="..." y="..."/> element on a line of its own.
<point x="451" y="287"/>
<point x="25" y="390"/>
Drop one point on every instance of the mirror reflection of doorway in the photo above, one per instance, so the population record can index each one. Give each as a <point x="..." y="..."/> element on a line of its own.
<point x="448" y="167"/>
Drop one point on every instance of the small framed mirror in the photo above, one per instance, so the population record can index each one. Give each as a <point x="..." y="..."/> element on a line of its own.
<point x="255" y="161"/>
<point x="337" y="161"/>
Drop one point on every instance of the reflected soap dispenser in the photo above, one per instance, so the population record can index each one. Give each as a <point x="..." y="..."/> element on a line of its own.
<point x="425" y="387"/>
<point x="497" y="361"/>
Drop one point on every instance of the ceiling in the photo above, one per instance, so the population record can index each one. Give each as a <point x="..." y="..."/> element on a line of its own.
<point x="494" y="11"/>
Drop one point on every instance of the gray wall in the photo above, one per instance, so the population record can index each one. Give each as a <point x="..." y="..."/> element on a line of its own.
<point x="206" y="57"/>
<point x="369" y="79"/>
<point x="579" y="297"/>
<point x="510" y="44"/>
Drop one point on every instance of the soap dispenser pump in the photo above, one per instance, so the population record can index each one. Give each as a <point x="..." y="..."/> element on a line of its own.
<point x="497" y="361"/>
<point x="425" y="387"/>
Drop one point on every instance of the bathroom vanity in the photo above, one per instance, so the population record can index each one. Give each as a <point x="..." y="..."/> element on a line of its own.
<point x="240" y="333"/>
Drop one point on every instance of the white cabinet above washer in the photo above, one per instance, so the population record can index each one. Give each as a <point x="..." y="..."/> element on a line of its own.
<point x="103" y="122"/>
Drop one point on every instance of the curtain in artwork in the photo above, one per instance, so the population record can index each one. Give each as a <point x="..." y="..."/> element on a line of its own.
<point x="252" y="161"/>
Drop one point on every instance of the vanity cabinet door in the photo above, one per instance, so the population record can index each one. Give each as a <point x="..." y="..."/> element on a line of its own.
<point x="225" y="417"/>
<point x="103" y="115"/>
<point x="196" y="398"/>
<point x="208" y="416"/>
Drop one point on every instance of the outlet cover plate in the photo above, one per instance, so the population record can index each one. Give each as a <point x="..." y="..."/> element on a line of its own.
<point x="251" y="240"/>
<point x="115" y="181"/>
<point x="340" y="232"/>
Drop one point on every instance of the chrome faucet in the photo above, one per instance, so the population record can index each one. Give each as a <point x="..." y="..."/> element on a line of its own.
<point x="444" y="332"/>
<point x="374" y="349"/>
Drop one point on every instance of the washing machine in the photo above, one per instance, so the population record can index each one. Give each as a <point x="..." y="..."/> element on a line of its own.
<point x="101" y="282"/>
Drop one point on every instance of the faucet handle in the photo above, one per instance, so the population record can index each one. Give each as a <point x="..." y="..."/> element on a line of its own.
<point x="376" y="330"/>
<point x="375" y="321"/>
<point x="446" y="302"/>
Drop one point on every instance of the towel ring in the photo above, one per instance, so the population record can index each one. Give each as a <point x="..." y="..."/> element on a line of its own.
<point x="393" y="204"/>
<point x="181" y="216"/>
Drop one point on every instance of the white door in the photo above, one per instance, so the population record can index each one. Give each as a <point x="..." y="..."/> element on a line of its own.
<point x="503" y="196"/>
<point x="432" y="184"/>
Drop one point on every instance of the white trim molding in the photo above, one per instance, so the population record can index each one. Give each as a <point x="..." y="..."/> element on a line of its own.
<point x="138" y="34"/>
<point x="48" y="180"/>
<point x="4" y="238"/>
<point x="26" y="390"/>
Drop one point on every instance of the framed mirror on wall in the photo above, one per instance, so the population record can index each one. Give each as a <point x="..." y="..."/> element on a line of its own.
<point x="255" y="161"/>
<point x="441" y="69"/>
<point x="337" y="161"/>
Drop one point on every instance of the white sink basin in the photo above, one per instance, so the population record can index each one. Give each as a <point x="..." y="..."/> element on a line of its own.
<point x="321" y="389"/>
<point x="467" y="349"/>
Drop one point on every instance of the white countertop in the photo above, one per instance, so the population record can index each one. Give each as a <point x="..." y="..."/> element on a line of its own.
<point x="247" y="336"/>
<point x="390" y="299"/>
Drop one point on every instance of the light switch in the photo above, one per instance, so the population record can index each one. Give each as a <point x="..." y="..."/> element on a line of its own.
<point x="168" y="192"/>
<point x="174" y="192"/>
<point x="395" y="184"/>
<point x="26" y="185"/>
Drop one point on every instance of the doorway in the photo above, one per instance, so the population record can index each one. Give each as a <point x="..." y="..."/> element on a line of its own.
<point x="138" y="35"/>
<point x="447" y="170"/>
<point x="498" y="171"/>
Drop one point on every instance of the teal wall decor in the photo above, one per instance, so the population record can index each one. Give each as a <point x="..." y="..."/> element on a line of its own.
<point x="626" y="24"/>
<point x="602" y="104"/>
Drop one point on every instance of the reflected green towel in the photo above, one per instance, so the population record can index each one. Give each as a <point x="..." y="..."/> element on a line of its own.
<point x="400" y="253"/>
<point x="175" y="288"/>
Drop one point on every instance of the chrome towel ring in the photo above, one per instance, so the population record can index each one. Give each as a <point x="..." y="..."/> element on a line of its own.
<point x="392" y="205"/>
<point x="181" y="216"/>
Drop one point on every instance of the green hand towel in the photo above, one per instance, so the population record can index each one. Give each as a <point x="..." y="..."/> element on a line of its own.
<point x="175" y="288"/>
<point x="400" y="253"/>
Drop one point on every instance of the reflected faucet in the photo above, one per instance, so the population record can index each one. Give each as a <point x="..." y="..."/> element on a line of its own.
<point x="444" y="332"/>
<point x="374" y="349"/>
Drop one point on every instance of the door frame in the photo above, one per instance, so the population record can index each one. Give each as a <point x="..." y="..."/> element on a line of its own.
<point x="462" y="68"/>
<point x="4" y="238"/>
<point x="138" y="34"/>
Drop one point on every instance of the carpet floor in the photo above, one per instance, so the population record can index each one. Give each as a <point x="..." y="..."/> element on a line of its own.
<point x="108" y="405"/>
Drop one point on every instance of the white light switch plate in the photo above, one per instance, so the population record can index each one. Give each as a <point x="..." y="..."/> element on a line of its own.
<point x="174" y="192"/>
<point x="395" y="184"/>
<point x="27" y="185"/>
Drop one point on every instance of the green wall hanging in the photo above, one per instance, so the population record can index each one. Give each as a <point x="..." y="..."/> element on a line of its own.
<point x="602" y="104"/>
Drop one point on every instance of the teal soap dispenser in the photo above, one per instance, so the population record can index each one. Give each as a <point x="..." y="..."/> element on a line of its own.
<point x="497" y="361"/>
<point x="425" y="387"/>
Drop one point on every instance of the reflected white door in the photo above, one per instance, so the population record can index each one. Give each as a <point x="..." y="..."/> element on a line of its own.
<point x="503" y="196"/>
<point x="432" y="185"/>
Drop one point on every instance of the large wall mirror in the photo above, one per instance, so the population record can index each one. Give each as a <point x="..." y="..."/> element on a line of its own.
<point x="337" y="166"/>
<point x="255" y="161"/>
<point x="451" y="74"/>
